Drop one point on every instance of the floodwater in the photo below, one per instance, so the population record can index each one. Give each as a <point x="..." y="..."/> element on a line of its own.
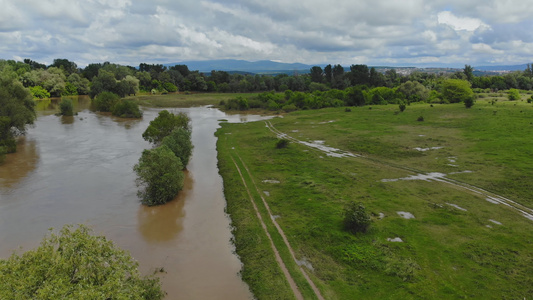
<point x="71" y="170"/>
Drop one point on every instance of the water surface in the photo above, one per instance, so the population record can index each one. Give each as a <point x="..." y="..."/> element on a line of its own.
<point x="79" y="170"/>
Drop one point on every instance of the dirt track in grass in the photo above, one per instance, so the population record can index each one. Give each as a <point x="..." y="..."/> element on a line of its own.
<point x="282" y="265"/>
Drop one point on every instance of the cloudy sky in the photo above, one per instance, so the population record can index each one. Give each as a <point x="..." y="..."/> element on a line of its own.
<point x="377" y="32"/>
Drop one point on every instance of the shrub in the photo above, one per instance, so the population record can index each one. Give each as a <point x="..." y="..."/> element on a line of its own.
<point x="513" y="94"/>
<point x="127" y="109"/>
<point x="170" y="87"/>
<point x="179" y="142"/>
<point x="289" y="108"/>
<point x="75" y="265"/>
<point x="420" y="119"/>
<point x="402" y="106"/>
<point x="66" y="108"/>
<point x="356" y="219"/>
<point x="39" y="92"/>
<point x="469" y="102"/>
<point x="164" y="124"/>
<point x="159" y="176"/>
<point x="530" y="99"/>
<point x="282" y="143"/>
<point x="105" y="101"/>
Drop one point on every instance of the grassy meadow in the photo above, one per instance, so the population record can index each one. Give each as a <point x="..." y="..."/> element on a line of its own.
<point x="458" y="245"/>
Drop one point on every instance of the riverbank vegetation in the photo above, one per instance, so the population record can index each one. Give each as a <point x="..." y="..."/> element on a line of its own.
<point x="331" y="86"/>
<point x="75" y="264"/>
<point x="160" y="170"/>
<point x="431" y="188"/>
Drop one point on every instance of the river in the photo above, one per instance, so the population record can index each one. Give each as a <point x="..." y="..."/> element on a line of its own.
<point x="71" y="170"/>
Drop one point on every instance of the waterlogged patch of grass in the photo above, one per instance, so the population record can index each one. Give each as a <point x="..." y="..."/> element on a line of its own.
<point x="451" y="249"/>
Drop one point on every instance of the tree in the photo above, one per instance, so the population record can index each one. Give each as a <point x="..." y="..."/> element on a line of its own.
<point x="66" y="108"/>
<point x="159" y="176"/>
<point x="316" y="73"/>
<point x="469" y="72"/>
<point x="104" y="82"/>
<point x="164" y="124"/>
<point x="179" y="141"/>
<point x="17" y="109"/>
<point x="356" y="219"/>
<point x="127" y="109"/>
<point x="75" y="265"/>
<point x="69" y="67"/>
<point x="360" y="74"/>
<point x="328" y="74"/>
<point x="38" y="92"/>
<point x="106" y="101"/>
<point x="414" y="91"/>
<point x="456" y="90"/>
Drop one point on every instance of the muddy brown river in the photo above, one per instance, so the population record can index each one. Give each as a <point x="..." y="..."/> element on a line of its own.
<point x="71" y="170"/>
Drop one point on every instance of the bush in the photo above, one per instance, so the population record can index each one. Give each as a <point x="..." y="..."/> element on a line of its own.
<point x="402" y="106"/>
<point x="164" y="124"/>
<point x="530" y="99"/>
<point x="513" y="94"/>
<point x="105" y="101"/>
<point x="75" y="265"/>
<point x="469" y="102"/>
<point x="179" y="142"/>
<point x="170" y="87"/>
<point x="289" y="108"/>
<point x="159" y="176"/>
<point x="282" y="143"/>
<point x="420" y="119"/>
<point x="66" y="108"/>
<point x="39" y="92"/>
<point x="356" y="219"/>
<point x="127" y="109"/>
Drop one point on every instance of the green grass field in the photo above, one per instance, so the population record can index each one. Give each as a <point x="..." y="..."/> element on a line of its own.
<point x="454" y="248"/>
<point x="185" y="99"/>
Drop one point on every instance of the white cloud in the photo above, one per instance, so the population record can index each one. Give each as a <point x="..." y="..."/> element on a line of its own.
<point x="459" y="23"/>
<point x="312" y="31"/>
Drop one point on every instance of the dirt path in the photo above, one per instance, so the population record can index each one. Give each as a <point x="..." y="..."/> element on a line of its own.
<point x="292" y="283"/>
<point x="281" y="264"/>
<point x="489" y="196"/>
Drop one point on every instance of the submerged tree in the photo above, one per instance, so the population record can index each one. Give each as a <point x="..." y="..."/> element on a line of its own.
<point x="164" y="124"/>
<point x="159" y="175"/>
<point x="17" y="109"/>
<point x="179" y="141"/>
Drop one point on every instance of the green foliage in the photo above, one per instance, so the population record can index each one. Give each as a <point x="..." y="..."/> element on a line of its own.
<point x="164" y="124"/>
<point x="127" y="109"/>
<point x="39" y="92"/>
<point x="289" y="107"/>
<point x="356" y="219"/>
<point x="179" y="141"/>
<point x="17" y="109"/>
<point x="469" y="102"/>
<point x="66" y="108"/>
<point x="530" y="99"/>
<point x="159" y="176"/>
<point x="456" y="90"/>
<point x="401" y="106"/>
<point x="105" y="101"/>
<point x="513" y="94"/>
<point x="170" y="87"/>
<point x="75" y="265"/>
<point x="70" y="89"/>
<point x="420" y="119"/>
<point x="282" y="143"/>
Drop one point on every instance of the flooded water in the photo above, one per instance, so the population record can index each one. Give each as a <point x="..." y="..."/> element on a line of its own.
<point x="79" y="170"/>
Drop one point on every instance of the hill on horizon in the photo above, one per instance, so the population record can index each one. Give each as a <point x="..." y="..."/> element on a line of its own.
<point x="272" y="67"/>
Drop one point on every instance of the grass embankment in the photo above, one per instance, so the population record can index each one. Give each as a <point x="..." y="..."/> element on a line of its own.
<point x="447" y="251"/>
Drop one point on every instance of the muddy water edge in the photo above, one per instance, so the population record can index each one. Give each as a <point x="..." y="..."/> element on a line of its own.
<point x="71" y="170"/>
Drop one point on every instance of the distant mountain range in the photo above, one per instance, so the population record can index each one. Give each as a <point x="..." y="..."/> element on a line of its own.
<point x="234" y="65"/>
<point x="272" y="67"/>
